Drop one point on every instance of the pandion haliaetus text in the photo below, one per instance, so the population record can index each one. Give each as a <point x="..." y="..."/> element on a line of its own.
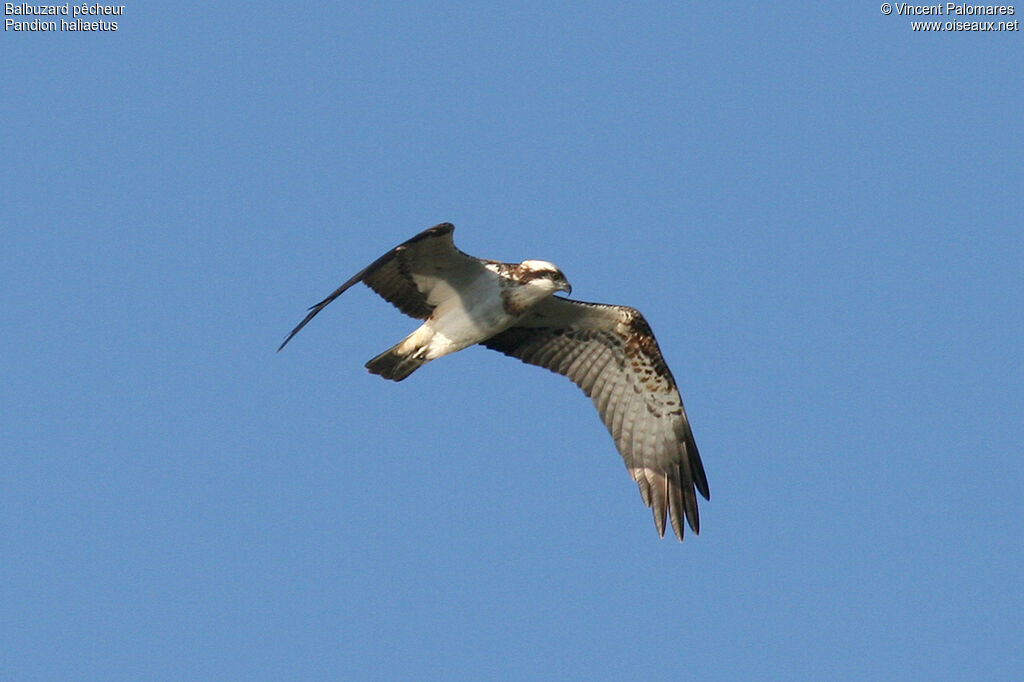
<point x="607" y="350"/>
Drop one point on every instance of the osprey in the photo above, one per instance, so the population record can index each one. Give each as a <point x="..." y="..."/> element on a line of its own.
<point x="606" y="350"/>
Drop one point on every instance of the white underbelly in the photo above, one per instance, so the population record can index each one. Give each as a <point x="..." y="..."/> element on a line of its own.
<point x="463" y="315"/>
<point x="457" y="327"/>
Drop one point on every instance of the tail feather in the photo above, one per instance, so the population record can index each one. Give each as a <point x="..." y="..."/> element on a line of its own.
<point x="395" y="364"/>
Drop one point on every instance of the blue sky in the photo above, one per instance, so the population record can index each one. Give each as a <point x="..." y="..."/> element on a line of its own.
<point x="817" y="209"/>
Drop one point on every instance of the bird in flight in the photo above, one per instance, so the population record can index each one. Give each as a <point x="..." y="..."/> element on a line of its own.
<point x="608" y="351"/>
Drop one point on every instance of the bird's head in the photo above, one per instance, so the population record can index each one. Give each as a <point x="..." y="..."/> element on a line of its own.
<point x="543" y="275"/>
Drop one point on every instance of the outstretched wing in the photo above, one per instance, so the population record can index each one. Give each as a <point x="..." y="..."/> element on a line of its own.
<point x="610" y="352"/>
<point x="414" y="276"/>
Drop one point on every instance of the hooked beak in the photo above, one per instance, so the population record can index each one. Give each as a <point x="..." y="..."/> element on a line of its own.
<point x="566" y="287"/>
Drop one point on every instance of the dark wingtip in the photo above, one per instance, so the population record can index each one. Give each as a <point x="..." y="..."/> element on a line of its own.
<point x="692" y="512"/>
<point x="312" y="313"/>
<point x="285" y="342"/>
<point x="700" y="479"/>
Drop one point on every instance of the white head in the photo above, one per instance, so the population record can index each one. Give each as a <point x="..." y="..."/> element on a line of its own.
<point x="543" y="275"/>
